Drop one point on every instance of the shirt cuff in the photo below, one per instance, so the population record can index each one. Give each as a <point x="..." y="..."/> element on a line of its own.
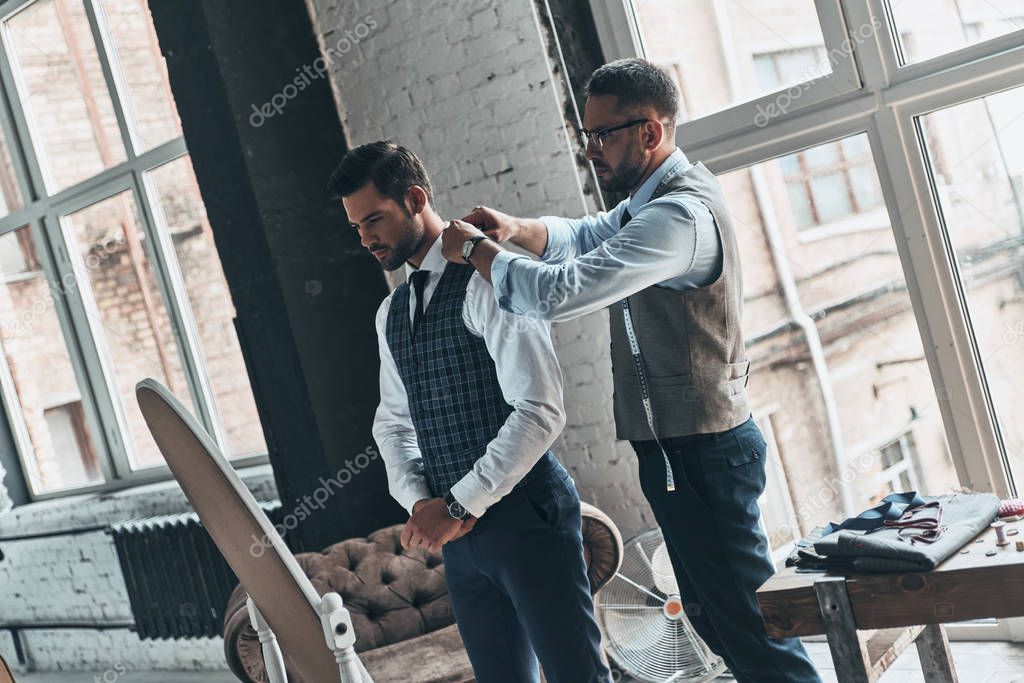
<point x="413" y="493"/>
<point x="559" y="239"/>
<point x="471" y="495"/>
<point x="499" y="278"/>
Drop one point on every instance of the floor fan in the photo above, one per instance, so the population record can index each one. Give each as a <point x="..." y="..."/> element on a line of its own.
<point x="644" y="621"/>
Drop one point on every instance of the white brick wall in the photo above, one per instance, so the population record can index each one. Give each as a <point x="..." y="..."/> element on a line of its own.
<point x="111" y="654"/>
<point x="77" y="578"/>
<point x="468" y="87"/>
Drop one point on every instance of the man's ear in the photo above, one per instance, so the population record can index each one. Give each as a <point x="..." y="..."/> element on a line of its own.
<point x="415" y="200"/>
<point x="654" y="134"/>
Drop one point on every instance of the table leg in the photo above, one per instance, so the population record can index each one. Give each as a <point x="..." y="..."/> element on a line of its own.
<point x="849" y="652"/>
<point x="936" y="659"/>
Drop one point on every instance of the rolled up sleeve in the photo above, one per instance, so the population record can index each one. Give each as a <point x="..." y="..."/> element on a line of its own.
<point x="655" y="245"/>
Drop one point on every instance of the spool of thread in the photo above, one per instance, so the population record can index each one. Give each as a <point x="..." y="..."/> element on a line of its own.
<point x="1020" y="546"/>
<point x="1000" y="528"/>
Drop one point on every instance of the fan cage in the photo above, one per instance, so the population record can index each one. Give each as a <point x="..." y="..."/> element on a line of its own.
<point x="640" y="637"/>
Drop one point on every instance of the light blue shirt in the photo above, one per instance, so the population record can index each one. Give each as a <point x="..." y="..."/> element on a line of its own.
<point x="590" y="263"/>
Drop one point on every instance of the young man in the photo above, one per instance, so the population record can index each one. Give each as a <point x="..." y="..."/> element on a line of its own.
<point x="666" y="263"/>
<point x="470" y="404"/>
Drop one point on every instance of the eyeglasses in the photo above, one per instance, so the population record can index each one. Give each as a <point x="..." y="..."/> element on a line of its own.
<point x="598" y="135"/>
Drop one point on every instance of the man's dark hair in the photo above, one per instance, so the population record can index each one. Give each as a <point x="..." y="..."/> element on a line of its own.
<point x="392" y="169"/>
<point x="636" y="82"/>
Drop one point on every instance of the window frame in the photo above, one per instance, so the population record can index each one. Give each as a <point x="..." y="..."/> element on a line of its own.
<point x="610" y="15"/>
<point x="885" y="104"/>
<point x="46" y="214"/>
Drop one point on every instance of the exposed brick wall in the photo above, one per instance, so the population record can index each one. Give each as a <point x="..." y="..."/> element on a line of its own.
<point x="472" y="94"/>
<point x="77" y="578"/>
<point x="110" y="654"/>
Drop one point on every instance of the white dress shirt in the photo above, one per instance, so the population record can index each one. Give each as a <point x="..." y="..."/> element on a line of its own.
<point x="530" y="380"/>
<point x="591" y="262"/>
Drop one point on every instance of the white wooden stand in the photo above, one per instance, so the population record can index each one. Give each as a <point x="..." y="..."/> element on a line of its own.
<point x="338" y="633"/>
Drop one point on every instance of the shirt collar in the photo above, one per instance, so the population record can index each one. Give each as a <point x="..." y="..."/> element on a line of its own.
<point x="434" y="260"/>
<point x="644" y="192"/>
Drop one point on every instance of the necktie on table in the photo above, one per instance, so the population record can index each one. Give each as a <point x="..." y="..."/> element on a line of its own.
<point x="419" y="283"/>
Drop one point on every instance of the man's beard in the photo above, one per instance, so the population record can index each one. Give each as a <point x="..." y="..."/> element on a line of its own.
<point x="412" y="239"/>
<point x="622" y="178"/>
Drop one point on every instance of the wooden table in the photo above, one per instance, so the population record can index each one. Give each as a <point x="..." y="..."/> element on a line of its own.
<point x="871" y="618"/>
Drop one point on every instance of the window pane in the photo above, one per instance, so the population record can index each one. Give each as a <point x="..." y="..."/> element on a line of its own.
<point x="929" y="28"/>
<point x="850" y="284"/>
<point x="976" y="151"/>
<point x="865" y="187"/>
<point x="127" y="313"/>
<point x="10" y="194"/>
<point x="800" y="203"/>
<point x="67" y="102"/>
<point x="831" y="196"/>
<point x="149" y="98"/>
<point x="822" y="155"/>
<point x="47" y="394"/>
<point x="832" y="184"/>
<point x="773" y="45"/>
<point x="210" y="300"/>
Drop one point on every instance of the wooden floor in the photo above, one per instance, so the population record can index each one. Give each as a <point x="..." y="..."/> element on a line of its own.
<point x="976" y="663"/>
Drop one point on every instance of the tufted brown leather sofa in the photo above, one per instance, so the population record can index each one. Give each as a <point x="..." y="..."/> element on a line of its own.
<point x="399" y="604"/>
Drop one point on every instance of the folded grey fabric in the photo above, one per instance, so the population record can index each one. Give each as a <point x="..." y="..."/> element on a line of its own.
<point x="964" y="516"/>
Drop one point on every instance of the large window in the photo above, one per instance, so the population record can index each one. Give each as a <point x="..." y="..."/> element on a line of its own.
<point x="839" y="362"/>
<point x="111" y="274"/>
<point x="929" y="28"/>
<point x="689" y="36"/>
<point x="976" y="152"/>
<point x="870" y="152"/>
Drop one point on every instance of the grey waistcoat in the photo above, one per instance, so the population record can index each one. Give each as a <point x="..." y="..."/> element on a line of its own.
<point x="690" y="341"/>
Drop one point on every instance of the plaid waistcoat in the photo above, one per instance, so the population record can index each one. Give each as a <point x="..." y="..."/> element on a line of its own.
<point x="455" y="400"/>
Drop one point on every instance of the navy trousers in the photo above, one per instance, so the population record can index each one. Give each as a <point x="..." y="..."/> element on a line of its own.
<point x="519" y="587"/>
<point x="718" y="552"/>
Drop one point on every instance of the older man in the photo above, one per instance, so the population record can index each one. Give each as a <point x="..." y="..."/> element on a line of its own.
<point x="665" y="262"/>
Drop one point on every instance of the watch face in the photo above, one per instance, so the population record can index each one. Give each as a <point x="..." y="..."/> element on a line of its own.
<point x="467" y="248"/>
<point x="456" y="510"/>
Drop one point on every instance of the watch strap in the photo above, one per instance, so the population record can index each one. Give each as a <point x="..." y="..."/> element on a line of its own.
<point x="450" y="500"/>
<point x="475" y="240"/>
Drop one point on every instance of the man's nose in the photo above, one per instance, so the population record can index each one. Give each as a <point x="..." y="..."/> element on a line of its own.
<point x="365" y="238"/>
<point x="591" y="151"/>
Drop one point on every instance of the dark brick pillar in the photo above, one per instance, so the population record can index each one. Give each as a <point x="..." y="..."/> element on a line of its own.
<point x="305" y="291"/>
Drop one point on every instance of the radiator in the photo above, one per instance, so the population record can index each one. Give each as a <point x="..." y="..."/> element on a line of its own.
<point x="178" y="583"/>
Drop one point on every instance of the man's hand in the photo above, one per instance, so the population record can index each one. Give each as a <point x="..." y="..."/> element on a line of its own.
<point x="430" y="526"/>
<point x="495" y="224"/>
<point x="467" y="525"/>
<point x="452" y="238"/>
<point x="529" y="233"/>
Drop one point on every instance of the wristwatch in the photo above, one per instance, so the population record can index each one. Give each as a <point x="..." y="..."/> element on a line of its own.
<point x="455" y="508"/>
<point x="469" y="245"/>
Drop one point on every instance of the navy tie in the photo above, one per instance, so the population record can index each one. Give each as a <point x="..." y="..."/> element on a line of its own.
<point x="625" y="218"/>
<point x="419" y="283"/>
